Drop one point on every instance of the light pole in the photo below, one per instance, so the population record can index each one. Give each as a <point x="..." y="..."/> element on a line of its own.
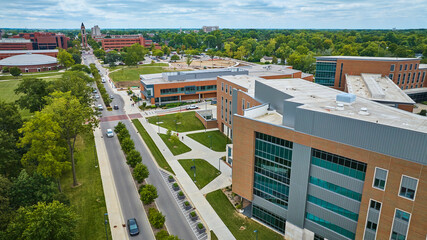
<point x="175" y="125"/>
<point x="194" y="167"/>
<point x="219" y="165"/>
<point x="256" y="234"/>
<point x="105" y="223"/>
<point x="158" y="124"/>
<point x="211" y="140"/>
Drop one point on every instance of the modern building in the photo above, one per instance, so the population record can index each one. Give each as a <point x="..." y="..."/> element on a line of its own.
<point x="31" y="62"/>
<point x="312" y="162"/>
<point x="266" y="59"/>
<point x="44" y="40"/>
<point x="120" y="41"/>
<point x="417" y="94"/>
<point x="379" y="89"/>
<point x="84" y="37"/>
<point x="208" y="29"/>
<point x="407" y="73"/>
<point x="10" y="53"/>
<point x="95" y="31"/>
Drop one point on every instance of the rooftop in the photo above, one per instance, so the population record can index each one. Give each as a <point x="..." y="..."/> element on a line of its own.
<point x="377" y="88"/>
<point x="320" y="98"/>
<point x="28" y="60"/>
<point x="422" y="66"/>
<point x="15" y="40"/>
<point x="244" y="81"/>
<point x="365" y="58"/>
<point x="30" y="51"/>
<point x="415" y="90"/>
<point x="271" y="70"/>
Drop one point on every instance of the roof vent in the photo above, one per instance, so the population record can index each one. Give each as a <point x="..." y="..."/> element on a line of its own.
<point x="364" y="111"/>
<point x="340" y="107"/>
<point x="346" y="98"/>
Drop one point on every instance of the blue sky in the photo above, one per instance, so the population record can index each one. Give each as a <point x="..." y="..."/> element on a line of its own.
<point x="324" y="14"/>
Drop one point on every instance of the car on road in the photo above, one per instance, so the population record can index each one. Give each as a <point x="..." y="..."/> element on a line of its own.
<point x="100" y="107"/>
<point x="103" y="80"/>
<point x="116" y="107"/>
<point x="110" y="133"/>
<point x="95" y="90"/>
<point x="133" y="227"/>
<point x="191" y="107"/>
<point x="96" y="96"/>
<point x="111" y="96"/>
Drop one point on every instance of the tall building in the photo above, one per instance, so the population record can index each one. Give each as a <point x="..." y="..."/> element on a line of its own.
<point x="45" y="40"/>
<point x="95" y="31"/>
<point x="207" y="29"/>
<point x="407" y="73"/>
<point x="84" y="37"/>
<point x="312" y="162"/>
<point x="120" y="41"/>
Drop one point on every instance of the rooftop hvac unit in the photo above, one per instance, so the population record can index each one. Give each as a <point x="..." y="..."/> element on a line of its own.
<point x="346" y="98"/>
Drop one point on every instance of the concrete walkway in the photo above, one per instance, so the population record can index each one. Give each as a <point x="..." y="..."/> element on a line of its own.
<point x="115" y="216"/>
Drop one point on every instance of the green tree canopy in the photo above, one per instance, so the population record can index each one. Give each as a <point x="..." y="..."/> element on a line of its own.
<point x="65" y="59"/>
<point x="140" y="172"/>
<point x="33" y="94"/>
<point x="15" y="71"/>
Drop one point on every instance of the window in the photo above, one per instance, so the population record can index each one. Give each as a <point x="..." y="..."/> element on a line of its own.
<point x="226" y="88"/>
<point x="243" y="104"/>
<point x="408" y="187"/>
<point x="390" y="76"/>
<point x="222" y="86"/>
<point x="416" y="66"/>
<point x="409" y="78"/>
<point x="269" y="218"/>
<point x="424" y="74"/>
<point x="410" y="67"/>
<point x="413" y="78"/>
<point x="231" y="90"/>
<point x="400" y="225"/>
<point x="371" y="225"/>
<point x="380" y="178"/>
<point x="418" y="76"/>
<point x="375" y="205"/>
<point x="397" y="236"/>
<point x="402" y="215"/>
<point x="335" y="188"/>
<point x="331" y="207"/>
<point x="400" y="69"/>
<point x="330" y="225"/>
<point x="403" y="79"/>
<point x="406" y="67"/>
<point x="398" y="79"/>
<point x="248" y="105"/>
<point x="392" y="68"/>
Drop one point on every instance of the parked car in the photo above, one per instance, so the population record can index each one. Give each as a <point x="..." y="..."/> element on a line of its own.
<point x="100" y="107"/>
<point x="111" y="96"/>
<point x="95" y="90"/>
<point x="110" y="133"/>
<point x="116" y="107"/>
<point x="103" y="80"/>
<point x="133" y="227"/>
<point x="96" y="96"/>
<point x="191" y="107"/>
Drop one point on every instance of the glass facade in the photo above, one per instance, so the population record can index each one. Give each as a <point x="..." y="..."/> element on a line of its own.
<point x="330" y="226"/>
<point x="331" y="207"/>
<point x="269" y="218"/>
<point x="336" y="163"/>
<point x="273" y="157"/>
<point x="325" y="73"/>
<point x="335" y="188"/>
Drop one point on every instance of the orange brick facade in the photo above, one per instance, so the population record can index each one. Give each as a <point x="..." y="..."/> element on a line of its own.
<point x="243" y="179"/>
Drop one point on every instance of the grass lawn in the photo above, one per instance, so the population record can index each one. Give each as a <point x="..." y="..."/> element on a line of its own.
<point x="176" y="149"/>
<point x="160" y="159"/>
<point x="213" y="236"/>
<point x="189" y="122"/>
<point x="87" y="200"/>
<point x="132" y="73"/>
<point x="205" y="172"/>
<point x="7" y="93"/>
<point x="233" y="221"/>
<point x="219" y="140"/>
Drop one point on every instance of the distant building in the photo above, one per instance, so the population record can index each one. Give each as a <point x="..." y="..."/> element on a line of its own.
<point x="266" y="59"/>
<point x="10" y="53"/>
<point x="207" y="29"/>
<point x="95" y="31"/>
<point x="120" y="41"/>
<point x="15" y="44"/>
<point x="406" y="73"/>
<point x="31" y="62"/>
<point x="44" y="40"/>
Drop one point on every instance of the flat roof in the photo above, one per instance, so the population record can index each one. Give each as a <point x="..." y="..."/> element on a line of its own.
<point x="30" y="51"/>
<point x="415" y="90"/>
<point x="422" y="66"/>
<point x="366" y="58"/>
<point x="245" y="81"/>
<point x="15" y="40"/>
<point x="270" y="70"/>
<point x="28" y="60"/>
<point x="377" y="88"/>
<point x="316" y="97"/>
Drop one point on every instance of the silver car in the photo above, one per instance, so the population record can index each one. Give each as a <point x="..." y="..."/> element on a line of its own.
<point x="110" y="133"/>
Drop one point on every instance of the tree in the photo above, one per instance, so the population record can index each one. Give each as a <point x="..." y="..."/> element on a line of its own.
<point x="164" y="235"/>
<point x="119" y="127"/>
<point x="211" y="53"/>
<point x="5" y="209"/>
<point x="158" y="53"/>
<point x="15" y="71"/>
<point x="5" y="69"/>
<point x="65" y="58"/>
<point x="77" y="58"/>
<point x="10" y="156"/>
<point x="99" y="53"/>
<point x="140" y="172"/>
<point x="80" y="67"/>
<point x="127" y="145"/>
<point x="33" y="94"/>
<point x="156" y="218"/>
<point x="274" y="60"/>
<point x="50" y="221"/>
<point x="112" y="57"/>
<point x="73" y="118"/>
<point x="47" y="151"/>
<point x="77" y="84"/>
<point x="189" y="60"/>
<point x="148" y="193"/>
<point x="423" y="112"/>
<point x="240" y="53"/>
<point x="10" y="119"/>
<point x="133" y="157"/>
<point x="175" y="57"/>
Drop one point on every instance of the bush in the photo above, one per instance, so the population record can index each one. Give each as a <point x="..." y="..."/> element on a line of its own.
<point x="239" y="206"/>
<point x="181" y="193"/>
<point x="80" y="67"/>
<point x="156" y="218"/>
<point x="186" y="203"/>
<point x="122" y="134"/>
<point x="5" y="69"/>
<point x="133" y="158"/>
<point x="140" y="172"/>
<point x="193" y="214"/>
<point x="163" y="234"/>
<point x="175" y="57"/>
<point x="175" y="185"/>
<point x="15" y="71"/>
<point x="423" y="112"/>
<point x="127" y="145"/>
<point x="148" y="194"/>
<point x="200" y="226"/>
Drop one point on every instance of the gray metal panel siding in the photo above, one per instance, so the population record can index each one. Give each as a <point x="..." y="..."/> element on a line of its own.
<point x="337" y="178"/>
<point x="289" y="109"/>
<point x="336" y="199"/>
<point x="332" y="217"/>
<point x="324" y="232"/>
<point x="298" y="186"/>
<point x="369" y="234"/>
<point x="375" y="137"/>
<point x="400" y="226"/>
<point x="270" y="95"/>
<point x="373" y="215"/>
<point x="261" y="202"/>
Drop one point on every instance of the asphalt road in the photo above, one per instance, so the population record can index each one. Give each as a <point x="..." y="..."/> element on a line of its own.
<point x="128" y="195"/>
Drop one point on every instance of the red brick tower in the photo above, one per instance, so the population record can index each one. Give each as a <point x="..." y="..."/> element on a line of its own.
<point x="84" y="38"/>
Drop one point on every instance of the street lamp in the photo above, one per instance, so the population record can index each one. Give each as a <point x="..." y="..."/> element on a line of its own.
<point x="256" y="234"/>
<point x="211" y="140"/>
<point x="175" y="125"/>
<point x="158" y="124"/>
<point x="105" y="223"/>
<point x="194" y="168"/>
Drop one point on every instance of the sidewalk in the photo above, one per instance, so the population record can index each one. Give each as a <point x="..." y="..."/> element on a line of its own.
<point x="115" y="216"/>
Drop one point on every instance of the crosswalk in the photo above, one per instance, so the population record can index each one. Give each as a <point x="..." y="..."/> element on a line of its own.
<point x="193" y="224"/>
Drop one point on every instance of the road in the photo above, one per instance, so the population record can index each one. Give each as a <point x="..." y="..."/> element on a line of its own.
<point x="128" y="195"/>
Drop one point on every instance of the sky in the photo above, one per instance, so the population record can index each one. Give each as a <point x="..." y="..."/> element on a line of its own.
<point x="288" y="14"/>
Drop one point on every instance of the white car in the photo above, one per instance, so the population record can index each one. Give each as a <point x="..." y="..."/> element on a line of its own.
<point x="96" y="96"/>
<point x="110" y="133"/>
<point x="103" y="80"/>
<point x="191" y="107"/>
<point x="100" y="107"/>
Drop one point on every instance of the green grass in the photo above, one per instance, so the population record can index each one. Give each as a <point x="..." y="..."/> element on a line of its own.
<point x="219" y="140"/>
<point x="132" y="73"/>
<point x="233" y="221"/>
<point x="160" y="159"/>
<point x="32" y="75"/>
<point x="87" y="199"/>
<point x="189" y="122"/>
<point x="176" y="149"/>
<point x="7" y="93"/>
<point x="205" y="172"/>
<point x="213" y="236"/>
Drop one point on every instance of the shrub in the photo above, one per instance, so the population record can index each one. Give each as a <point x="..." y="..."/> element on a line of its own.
<point x="80" y="67"/>
<point x="133" y="158"/>
<point x="163" y="234"/>
<point x="140" y="172"/>
<point x="124" y="133"/>
<point x="200" y="226"/>
<point x="175" y="57"/>
<point x="239" y="206"/>
<point x="174" y="139"/>
<point x="171" y="177"/>
<point x="156" y="218"/>
<point x="181" y="193"/>
<point x="15" y="71"/>
<point x="186" y="203"/>
<point x="127" y="145"/>
<point x="175" y="185"/>
<point x="169" y="133"/>
<point x="423" y="112"/>
<point x="148" y="194"/>
<point x="193" y="214"/>
<point x="5" y="69"/>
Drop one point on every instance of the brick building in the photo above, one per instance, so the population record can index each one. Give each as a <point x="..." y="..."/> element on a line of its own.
<point x="44" y="40"/>
<point x="407" y="73"/>
<point x="31" y="62"/>
<point x="10" y="53"/>
<point x="120" y="41"/>
<point x="312" y="162"/>
<point x="15" y="44"/>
